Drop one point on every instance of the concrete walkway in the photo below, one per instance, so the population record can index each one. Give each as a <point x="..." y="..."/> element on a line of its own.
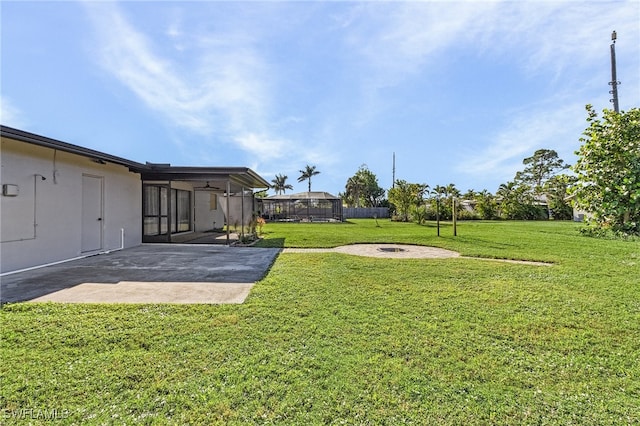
<point x="150" y="273"/>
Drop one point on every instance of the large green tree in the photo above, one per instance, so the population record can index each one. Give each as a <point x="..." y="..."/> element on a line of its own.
<point x="608" y="170"/>
<point x="540" y="167"/>
<point x="307" y="173"/>
<point x="362" y="189"/>
<point x="405" y="195"/>
<point x="525" y="197"/>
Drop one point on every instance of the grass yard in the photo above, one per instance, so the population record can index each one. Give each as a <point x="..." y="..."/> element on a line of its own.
<point x="328" y="338"/>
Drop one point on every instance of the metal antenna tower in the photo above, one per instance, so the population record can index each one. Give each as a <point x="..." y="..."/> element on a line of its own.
<point x="614" y="78"/>
<point x="393" y="174"/>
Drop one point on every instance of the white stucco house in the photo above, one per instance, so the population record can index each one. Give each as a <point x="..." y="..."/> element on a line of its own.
<point x="61" y="201"/>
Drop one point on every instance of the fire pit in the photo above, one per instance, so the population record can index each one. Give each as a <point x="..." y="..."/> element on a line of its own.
<point x="391" y="249"/>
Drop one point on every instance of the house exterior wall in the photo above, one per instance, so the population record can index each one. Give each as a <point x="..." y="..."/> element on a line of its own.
<point x="241" y="210"/>
<point x="579" y="215"/>
<point x="43" y="222"/>
<point x="208" y="212"/>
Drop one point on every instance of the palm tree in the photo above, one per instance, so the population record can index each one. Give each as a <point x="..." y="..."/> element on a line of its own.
<point x="280" y="184"/>
<point x="307" y="173"/>
<point x="439" y="191"/>
<point x="451" y="190"/>
<point x="505" y="190"/>
<point x="486" y="205"/>
<point x="354" y="188"/>
<point x="513" y="199"/>
<point x="469" y="195"/>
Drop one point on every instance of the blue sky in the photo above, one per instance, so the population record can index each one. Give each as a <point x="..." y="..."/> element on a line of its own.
<point x="460" y="91"/>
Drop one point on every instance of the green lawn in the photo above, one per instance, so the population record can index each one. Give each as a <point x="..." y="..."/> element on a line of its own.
<point x="331" y="338"/>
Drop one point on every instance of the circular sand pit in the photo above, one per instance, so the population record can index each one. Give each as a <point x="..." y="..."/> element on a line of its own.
<point x="397" y="251"/>
<point x="402" y="251"/>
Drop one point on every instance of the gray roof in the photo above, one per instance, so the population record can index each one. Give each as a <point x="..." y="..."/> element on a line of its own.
<point x="313" y="195"/>
<point x="216" y="176"/>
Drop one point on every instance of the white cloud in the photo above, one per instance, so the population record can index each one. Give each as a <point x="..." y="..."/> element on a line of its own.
<point x="10" y="115"/>
<point x="227" y="81"/>
<point x="547" y="127"/>
<point x="263" y="146"/>
<point x="223" y="91"/>
<point x="129" y="56"/>
<point x="398" y="39"/>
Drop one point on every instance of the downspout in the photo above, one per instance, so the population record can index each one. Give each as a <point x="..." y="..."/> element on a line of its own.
<point x="35" y="204"/>
<point x="121" y="242"/>
<point x="242" y="213"/>
<point x="169" y="216"/>
<point x="228" y="211"/>
<point x="115" y="249"/>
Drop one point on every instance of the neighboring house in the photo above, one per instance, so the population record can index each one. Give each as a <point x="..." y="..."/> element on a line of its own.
<point x="468" y="205"/>
<point x="61" y="201"/>
<point x="579" y="215"/>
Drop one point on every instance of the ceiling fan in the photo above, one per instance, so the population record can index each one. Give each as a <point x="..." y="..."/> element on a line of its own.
<point x="207" y="186"/>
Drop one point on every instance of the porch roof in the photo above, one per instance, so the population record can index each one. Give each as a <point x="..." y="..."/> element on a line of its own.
<point x="215" y="176"/>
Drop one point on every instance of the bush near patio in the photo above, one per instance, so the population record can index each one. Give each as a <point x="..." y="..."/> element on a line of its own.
<point x="328" y="338"/>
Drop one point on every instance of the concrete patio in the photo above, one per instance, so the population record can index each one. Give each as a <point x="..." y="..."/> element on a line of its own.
<point x="150" y="273"/>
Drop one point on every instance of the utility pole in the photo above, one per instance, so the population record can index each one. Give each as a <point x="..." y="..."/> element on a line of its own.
<point x="614" y="78"/>
<point x="453" y="214"/>
<point x="438" y="212"/>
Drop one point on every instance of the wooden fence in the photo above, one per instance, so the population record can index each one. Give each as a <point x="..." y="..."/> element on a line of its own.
<point x="365" y="212"/>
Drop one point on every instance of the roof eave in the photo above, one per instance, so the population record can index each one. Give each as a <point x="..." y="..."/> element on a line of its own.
<point x="32" y="138"/>
<point x="240" y="176"/>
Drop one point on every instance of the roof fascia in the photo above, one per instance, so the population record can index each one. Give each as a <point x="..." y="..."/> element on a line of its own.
<point x="32" y="138"/>
<point x="240" y="176"/>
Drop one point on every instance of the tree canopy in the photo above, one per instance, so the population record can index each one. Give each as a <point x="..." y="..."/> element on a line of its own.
<point x="540" y="167"/>
<point x="608" y="170"/>
<point x="362" y="189"/>
<point x="405" y="195"/>
<point x="538" y="191"/>
<point x="517" y="202"/>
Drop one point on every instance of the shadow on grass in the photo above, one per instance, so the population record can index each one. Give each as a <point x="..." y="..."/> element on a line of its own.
<point x="481" y="241"/>
<point x="267" y="242"/>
